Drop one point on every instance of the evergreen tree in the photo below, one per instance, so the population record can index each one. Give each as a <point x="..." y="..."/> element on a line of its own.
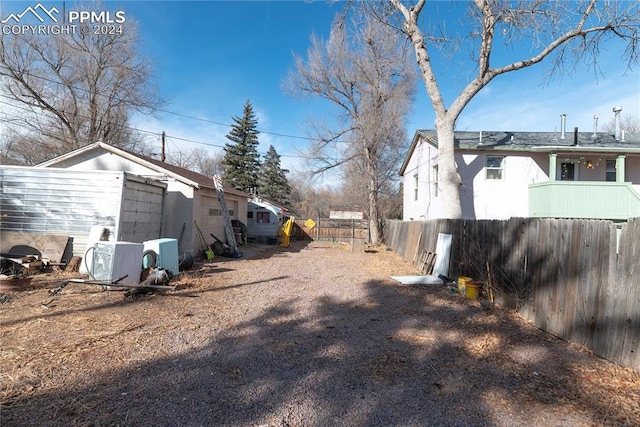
<point x="241" y="160"/>
<point x="273" y="183"/>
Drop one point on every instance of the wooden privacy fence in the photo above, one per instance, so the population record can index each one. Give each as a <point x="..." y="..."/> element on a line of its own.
<point x="577" y="279"/>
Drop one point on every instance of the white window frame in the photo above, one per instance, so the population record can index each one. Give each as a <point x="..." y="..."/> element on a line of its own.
<point x="491" y="170"/>
<point x="610" y="168"/>
<point x="435" y="177"/>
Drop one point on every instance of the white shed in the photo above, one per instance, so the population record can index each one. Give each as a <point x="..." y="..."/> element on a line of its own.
<point x="70" y="202"/>
<point x="190" y="197"/>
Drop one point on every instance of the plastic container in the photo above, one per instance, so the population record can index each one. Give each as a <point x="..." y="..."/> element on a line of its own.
<point x="462" y="283"/>
<point x="473" y="290"/>
<point x="167" y="253"/>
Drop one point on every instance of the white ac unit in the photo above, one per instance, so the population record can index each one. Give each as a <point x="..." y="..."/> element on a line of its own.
<point x="112" y="261"/>
<point x="166" y="254"/>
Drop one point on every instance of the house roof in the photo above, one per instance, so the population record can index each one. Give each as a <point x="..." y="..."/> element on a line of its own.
<point x="531" y="141"/>
<point x="181" y="174"/>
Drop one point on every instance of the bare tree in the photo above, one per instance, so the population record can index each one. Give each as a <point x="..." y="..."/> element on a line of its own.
<point x="628" y="123"/>
<point x="69" y="90"/>
<point x="312" y="201"/>
<point x="198" y="160"/>
<point x="366" y="73"/>
<point x="568" y="31"/>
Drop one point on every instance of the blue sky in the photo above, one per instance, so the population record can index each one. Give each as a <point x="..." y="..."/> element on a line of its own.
<point x="209" y="57"/>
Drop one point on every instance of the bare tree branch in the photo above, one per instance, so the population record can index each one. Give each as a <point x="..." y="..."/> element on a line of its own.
<point x="79" y="88"/>
<point x="363" y="69"/>
<point x="567" y="30"/>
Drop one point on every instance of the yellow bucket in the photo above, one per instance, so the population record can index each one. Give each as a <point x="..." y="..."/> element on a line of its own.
<point x="473" y="289"/>
<point x="462" y="282"/>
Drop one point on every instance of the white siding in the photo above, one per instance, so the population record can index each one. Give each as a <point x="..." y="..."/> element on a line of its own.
<point x="426" y="205"/>
<point x="500" y="198"/>
<point x="481" y="198"/>
<point x="68" y="202"/>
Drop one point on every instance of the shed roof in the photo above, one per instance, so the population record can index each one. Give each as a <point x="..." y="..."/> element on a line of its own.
<point x="184" y="175"/>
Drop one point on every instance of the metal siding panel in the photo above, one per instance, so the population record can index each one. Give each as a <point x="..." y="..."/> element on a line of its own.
<point x="141" y="217"/>
<point x="47" y="200"/>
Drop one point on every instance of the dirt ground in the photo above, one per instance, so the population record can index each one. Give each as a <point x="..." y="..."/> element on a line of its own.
<point x="313" y="334"/>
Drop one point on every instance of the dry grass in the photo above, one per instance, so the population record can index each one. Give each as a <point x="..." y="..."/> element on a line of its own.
<point x="54" y="345"/>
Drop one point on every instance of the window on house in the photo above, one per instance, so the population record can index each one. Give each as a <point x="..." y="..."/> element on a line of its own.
<point x="415" y="187"/>
<point x="611" y="170"/>
<point x="434" y="180"/>
<point x="568" y="171"/>
<point x="494" y="166"/>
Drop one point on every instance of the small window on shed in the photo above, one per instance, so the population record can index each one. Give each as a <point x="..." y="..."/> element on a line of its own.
<point x="494" y="166"/>
<point x="249" y="215"/>
<point x="262" y="217"/>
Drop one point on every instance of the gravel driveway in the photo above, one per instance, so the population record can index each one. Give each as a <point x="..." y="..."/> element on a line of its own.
<point x="311" y="335"/>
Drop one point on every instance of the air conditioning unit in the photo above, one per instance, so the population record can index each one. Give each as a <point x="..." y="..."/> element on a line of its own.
<point x="166" y="252"/>
<point x="114" y="260"/>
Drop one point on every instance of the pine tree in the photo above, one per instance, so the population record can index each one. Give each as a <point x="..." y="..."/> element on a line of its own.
<point x="273" y="183"/>
<point x="241" y="159"/>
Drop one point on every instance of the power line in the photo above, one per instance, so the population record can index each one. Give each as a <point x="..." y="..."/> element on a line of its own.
<point x="156" y="134"/>
<point x="186" y="116"/>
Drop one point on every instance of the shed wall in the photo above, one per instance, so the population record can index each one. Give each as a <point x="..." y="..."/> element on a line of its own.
<point x="60" y="201"/>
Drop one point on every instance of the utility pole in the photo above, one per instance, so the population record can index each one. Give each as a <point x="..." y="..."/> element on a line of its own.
<point x="164" y="135"/>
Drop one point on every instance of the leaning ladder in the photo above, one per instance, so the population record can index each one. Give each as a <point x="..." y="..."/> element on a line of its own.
<point x="228" y="227"/>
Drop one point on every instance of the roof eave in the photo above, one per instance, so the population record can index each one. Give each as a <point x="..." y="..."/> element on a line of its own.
<point x="552" y="149"/>
<point x="420" y="134"/>
<point x="123" y="154"/>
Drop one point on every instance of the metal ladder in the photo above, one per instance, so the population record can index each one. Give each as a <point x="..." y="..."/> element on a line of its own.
<point x="228" y="227"/>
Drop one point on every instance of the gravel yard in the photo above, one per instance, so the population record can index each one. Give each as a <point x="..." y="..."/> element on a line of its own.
<point x="311" y="335"/>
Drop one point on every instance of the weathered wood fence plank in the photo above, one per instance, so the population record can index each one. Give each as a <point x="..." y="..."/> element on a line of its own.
<point x="572" y="278"/>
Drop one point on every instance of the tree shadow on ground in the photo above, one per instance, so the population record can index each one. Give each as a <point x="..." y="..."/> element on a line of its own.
<point x="400" y="356"/>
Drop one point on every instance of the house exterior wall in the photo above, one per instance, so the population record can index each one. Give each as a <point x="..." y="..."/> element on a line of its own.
<point x="210" y="218"/>
<point x="526" y="174"/>
<point x="633" y="170"/>
<point x="418" y="201"/>
<point x="484" y="198"/>
<point x="179" y="202"/>
<point x="481" y="198"/>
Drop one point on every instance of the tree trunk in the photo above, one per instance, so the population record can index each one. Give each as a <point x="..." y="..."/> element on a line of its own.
<point x="374" y="223"/>
<point x="449" y="179"/>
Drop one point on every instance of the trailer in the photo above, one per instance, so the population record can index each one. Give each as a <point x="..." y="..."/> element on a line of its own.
<point x="263" y="222"/>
